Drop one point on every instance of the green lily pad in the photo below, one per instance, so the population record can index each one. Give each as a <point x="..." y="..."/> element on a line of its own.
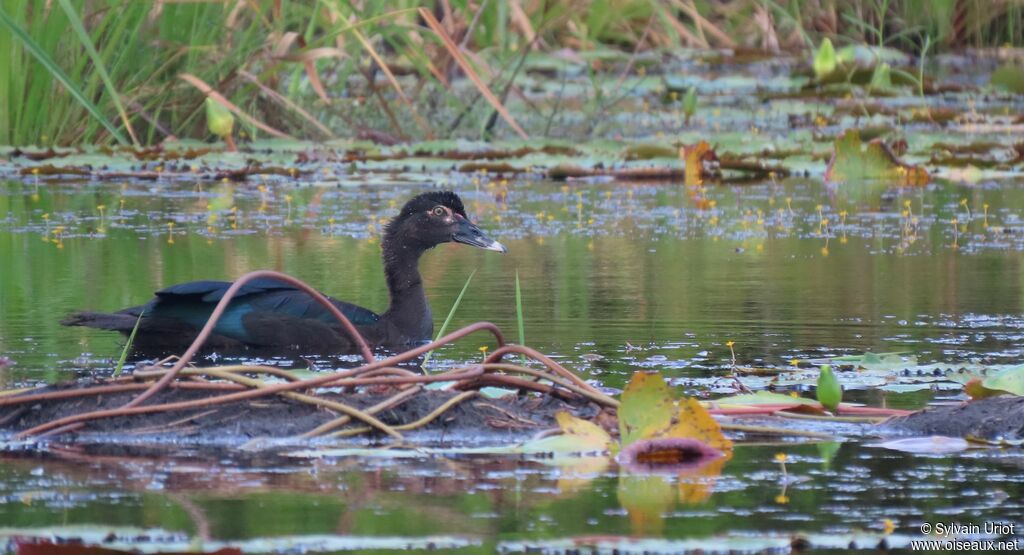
<point x="764" y="398"/>
<point x="852" y="162"/>
<point x="1009" y="78"/>
<point x="647" y="407"/>
<point x="1010" y="380"/>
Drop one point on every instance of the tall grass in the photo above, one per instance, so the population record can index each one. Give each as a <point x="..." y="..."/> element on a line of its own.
<point x="105" y="71"/>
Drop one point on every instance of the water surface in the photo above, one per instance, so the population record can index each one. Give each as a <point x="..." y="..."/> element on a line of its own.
<point x="615" y="277"/>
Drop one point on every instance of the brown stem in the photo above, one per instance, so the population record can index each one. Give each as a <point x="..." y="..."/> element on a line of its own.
<point x="544" y="359"/>
<point x="78" y="419"/>
<point x="102" y="389"/>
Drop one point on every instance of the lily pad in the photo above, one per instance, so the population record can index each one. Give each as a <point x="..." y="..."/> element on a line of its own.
<point x="578" y="436"/>
<point x="1010" y="380"/>
<point x="647" y="407"/>
<point x="693" y="421"/>
<point x="764" y="398"/>
<point x="851" y="162"/>
<point x="1009" y="78"/>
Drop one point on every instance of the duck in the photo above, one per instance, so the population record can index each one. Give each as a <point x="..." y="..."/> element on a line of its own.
<point x="270" y="318"/>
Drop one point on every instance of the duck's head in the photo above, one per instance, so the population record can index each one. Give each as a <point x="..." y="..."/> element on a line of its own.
<point x="429" y="219"/>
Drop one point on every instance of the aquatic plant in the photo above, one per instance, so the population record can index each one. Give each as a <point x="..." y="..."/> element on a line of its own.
<point x="127" y="347"/>
<point x="829" y="391"/>
<point x="451" y="313"/>
<point x="122" y="76"/>
<point x="220" y="122"/>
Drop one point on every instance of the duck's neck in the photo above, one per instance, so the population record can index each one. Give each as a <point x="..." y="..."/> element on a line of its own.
<point x="409" y="312"/>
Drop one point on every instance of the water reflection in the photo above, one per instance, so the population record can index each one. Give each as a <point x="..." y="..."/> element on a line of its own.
<point x="485" y="502"/>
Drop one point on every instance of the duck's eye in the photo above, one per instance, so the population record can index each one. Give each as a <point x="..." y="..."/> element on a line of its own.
<point x="438" y="211"/>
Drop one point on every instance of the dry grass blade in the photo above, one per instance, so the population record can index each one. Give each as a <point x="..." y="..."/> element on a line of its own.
<point x="394" y="82"/>
<point x="281" y="49"/>
<point x="283" y="100"/>
<point x="453" y="49"/>
<point x="217" y="97"/>
<point x="522" y="21"/>
<point x="689" y="38"/>
<point x="691" y="10"/>
<point x="315" y="82"/>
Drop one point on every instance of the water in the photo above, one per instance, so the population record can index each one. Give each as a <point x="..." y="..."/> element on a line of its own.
<point x="835" y="494"/>
<point x="615" y="277"/>
<point x="635" y="274"/>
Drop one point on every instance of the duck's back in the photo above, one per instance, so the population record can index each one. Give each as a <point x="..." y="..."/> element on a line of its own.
<point x="265" y="315"/>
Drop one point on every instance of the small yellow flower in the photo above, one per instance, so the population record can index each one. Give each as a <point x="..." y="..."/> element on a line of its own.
<point x="781" y="457"/>
<point x="781" y="499"/>
<point x="730" y="344"/>
<point x="888" y="526"/>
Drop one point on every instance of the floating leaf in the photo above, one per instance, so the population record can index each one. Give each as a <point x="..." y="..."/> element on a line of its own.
<point x="696" y="156"/>
<point x="762" y="398"/>
<point x="1009" y="78"/>
<point x="693" y="421"/>
<point x="825" y="61"/>
<point x="853" y="162"/>
<point x="976" y="389"/>
<point x="583" y="429"/>
<point x="652" y="439"/>
<point x="830" y="392"/>
<point x="578" y="436"/>
<point x="647" y="407"/>
<point x="648" y="152"/>
<point x="1010" y="380"/>
<point x="933" y="445"/>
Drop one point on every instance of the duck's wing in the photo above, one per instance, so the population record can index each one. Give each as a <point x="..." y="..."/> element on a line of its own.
<point x="261" y="310"/>
<point x="213" y="291"/>
<point x="298" y="304"/>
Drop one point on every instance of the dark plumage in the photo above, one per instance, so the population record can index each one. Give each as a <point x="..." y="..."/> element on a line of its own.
<point x="268" y="317"/>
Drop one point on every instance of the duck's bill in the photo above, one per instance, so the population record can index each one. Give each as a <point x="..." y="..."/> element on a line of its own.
<point x="469" y="234"/>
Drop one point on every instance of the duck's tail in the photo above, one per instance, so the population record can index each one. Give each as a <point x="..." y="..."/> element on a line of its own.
<point x="117" y="321"/>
